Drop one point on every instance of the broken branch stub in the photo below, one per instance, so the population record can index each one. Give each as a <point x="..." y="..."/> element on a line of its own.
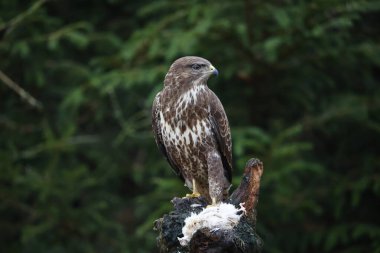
<point x="249" y="188"/>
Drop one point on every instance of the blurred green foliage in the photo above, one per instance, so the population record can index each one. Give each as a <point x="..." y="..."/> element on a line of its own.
<point x="299" y="81"/>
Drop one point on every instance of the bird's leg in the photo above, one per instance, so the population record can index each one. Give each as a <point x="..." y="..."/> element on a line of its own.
<point x="195" y="193"/>
<point x="213" y="203"/>
<point x="216" y="178"/>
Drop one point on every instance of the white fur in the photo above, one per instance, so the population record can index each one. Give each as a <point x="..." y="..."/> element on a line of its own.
<point x="222" y="216"/>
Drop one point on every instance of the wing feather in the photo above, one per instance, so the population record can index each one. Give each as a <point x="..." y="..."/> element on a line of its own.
<point x="221" y="130"/>
<point x="156" y="126"/>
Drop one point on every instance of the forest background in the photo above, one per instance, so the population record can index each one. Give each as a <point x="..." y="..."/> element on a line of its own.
<point x="299" y="80"/>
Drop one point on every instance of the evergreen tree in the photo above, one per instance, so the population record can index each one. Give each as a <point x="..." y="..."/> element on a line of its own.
<point x="79" y="169"/>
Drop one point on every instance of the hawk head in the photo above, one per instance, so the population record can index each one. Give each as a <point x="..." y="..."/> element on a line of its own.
<point x="189" y="70"/>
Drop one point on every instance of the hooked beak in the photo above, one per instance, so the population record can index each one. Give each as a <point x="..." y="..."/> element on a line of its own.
<point x="214" y="70"/>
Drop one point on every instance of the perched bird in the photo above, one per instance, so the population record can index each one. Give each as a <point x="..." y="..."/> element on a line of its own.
<point x="191" y="129"/>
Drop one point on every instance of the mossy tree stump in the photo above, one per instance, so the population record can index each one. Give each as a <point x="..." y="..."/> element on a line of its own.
<point x="242" y="238"/>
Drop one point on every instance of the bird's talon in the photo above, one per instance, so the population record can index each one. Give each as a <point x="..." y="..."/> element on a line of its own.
<point x="193" y="195"/>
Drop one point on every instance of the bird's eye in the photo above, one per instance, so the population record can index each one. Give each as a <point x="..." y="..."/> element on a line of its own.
<point x="195" y="66"/>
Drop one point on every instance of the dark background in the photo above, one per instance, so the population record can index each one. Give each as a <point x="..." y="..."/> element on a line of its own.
<point x="299" y="81"/>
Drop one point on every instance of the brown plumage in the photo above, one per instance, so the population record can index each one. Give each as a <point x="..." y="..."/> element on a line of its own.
<point x="191" y="129"/>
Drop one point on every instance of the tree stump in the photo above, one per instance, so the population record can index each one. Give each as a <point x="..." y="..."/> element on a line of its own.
<point x="242" y="238"/>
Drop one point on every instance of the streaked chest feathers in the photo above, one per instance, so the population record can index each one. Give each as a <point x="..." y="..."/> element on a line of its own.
<point x="185" y="122"/>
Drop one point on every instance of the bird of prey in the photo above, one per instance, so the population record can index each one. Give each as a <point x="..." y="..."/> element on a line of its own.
<point x="191" y="129"/>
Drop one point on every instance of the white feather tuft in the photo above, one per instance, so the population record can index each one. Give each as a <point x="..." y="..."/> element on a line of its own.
<point x="220" y="217"/>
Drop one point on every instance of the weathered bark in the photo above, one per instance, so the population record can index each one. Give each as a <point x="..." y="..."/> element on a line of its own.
<point x="242" y="238"/>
